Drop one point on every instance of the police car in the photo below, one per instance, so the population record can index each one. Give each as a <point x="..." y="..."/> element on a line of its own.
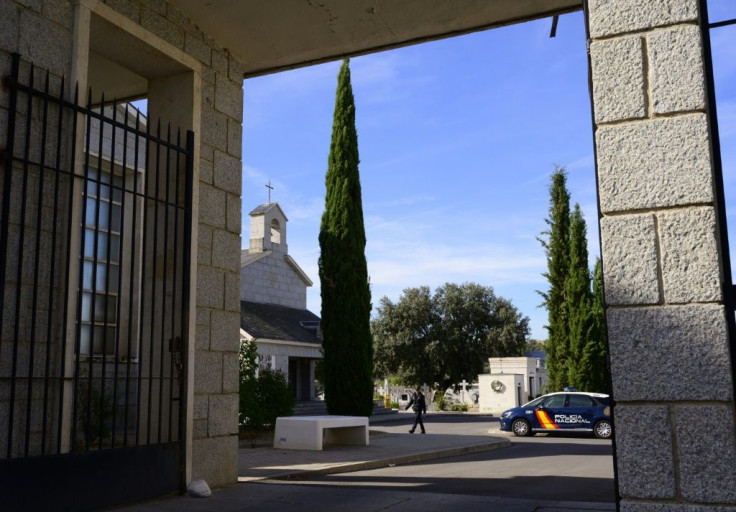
<point x="561" y="412"/>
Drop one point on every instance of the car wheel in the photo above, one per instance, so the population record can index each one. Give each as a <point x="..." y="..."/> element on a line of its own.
<point x="520" y="428"/>
<point x="603" y="429"/>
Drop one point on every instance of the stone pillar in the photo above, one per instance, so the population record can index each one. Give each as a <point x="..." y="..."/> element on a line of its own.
<point x="662" y="261"/>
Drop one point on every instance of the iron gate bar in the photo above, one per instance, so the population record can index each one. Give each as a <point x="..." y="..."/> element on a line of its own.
<point x="728" y="289"/>
<point x="32" y="350"/>
<point x="106" y="283"/>
<point x="74" y="107"/>
<point x="144" y="243"/>
<point x="723" y="23"/>
<point x="116" y="340"/>
<point x="8" y="161"/>
<point x="132" y="278"/>
<point x="78" y="334"/>
<point x="67" y="278"/>
<point x="107" y="292"/>
<point x="52" y="272"/>
<point x="186" y="284"/>
<point x="163" y="283"/>
<point x="95" y="263"/>
<point x="153" y="283"/>
<point x="174" y="343"/>
<point x="19" y="275"/>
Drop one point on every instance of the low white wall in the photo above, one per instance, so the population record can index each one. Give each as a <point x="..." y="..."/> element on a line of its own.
<point x="495" y="401"/>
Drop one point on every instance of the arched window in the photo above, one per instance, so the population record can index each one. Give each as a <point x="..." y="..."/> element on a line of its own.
<point x="275" y="232"/>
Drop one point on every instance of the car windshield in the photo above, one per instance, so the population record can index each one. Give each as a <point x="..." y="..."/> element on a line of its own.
<point x="555" y="401"/>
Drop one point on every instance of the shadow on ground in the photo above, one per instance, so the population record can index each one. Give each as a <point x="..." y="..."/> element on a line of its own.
<point x="519" y="487"/>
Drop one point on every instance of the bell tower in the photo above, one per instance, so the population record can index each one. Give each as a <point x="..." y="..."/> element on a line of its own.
<point x="268" y="229"/>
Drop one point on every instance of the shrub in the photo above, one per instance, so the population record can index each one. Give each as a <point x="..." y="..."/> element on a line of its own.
<point x="460" y="407"/>
<point x="264" y="399"/>
<point x="442" y="403"/>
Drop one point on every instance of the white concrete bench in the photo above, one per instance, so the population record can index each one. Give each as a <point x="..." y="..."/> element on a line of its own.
<point x="310" y="432"/>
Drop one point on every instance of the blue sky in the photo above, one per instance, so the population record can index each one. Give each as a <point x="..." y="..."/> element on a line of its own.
<point x="457" y="140"/>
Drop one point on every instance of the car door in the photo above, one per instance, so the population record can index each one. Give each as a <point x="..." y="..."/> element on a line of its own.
<point x="579" y="412"/>
<point x="547" y="410"/>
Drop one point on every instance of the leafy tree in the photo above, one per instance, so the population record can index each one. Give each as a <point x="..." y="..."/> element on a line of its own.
<point x="578" y="297"/>
<point x="445" y="337"/>
<point x="594" y="375"/>
<point x="343" y="272"/>
<point x="534" y="344"/>
<point x="509" y="331"/>
<point x="557" y="249"/>
<point x="405" y="337"/>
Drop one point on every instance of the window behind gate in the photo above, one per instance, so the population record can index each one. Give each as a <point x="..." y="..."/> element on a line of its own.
<point x="95" y="221"/>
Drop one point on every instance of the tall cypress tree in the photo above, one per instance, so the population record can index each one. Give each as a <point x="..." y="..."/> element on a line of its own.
<point x="595" y="373"/>
<point x="578" y="297"/>
<point x="557" y="249"/>
<point x="343" y="273"/>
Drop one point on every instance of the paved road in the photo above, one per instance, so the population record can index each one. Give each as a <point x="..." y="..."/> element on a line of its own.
<point x="542" y="467"/>
<point x="540" y="474"/>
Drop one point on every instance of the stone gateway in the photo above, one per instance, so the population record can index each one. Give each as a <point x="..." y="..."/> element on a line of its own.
<point x="667" y="273"/>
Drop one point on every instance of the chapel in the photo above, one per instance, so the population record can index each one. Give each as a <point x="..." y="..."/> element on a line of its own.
<point x="273" y="303"/>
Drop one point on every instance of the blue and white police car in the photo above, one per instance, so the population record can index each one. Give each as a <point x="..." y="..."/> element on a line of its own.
<point x="561" y="412"/>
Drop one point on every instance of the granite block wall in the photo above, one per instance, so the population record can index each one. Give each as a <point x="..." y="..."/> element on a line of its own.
<point x="272" y="280"/>
<point x="667" y="326"/>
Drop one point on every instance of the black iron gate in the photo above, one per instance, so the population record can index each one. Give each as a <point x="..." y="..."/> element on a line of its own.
<point x="729" y="287"/>
<point x="95" y="224"/>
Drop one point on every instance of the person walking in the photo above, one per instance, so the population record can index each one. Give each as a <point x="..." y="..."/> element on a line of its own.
<point x="419" y="405"/>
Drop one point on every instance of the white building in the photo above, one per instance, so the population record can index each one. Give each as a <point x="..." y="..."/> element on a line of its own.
<point x="511" y="381"/>
<point x="273" y="303"/>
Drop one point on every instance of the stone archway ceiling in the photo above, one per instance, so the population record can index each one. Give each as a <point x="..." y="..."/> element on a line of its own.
<point x="274" y="35"/>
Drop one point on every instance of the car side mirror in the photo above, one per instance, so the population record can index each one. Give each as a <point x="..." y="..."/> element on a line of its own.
<point x="540" y="407"/>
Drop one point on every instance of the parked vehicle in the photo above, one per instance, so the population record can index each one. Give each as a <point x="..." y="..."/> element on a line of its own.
<point x="564" y="412"/>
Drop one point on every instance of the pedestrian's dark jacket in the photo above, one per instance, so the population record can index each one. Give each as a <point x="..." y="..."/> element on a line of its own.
<point x="417" y="403"/>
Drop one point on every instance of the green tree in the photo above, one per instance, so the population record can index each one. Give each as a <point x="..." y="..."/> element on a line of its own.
<point x="534" y="344"/>
<point x="557" y="249"/>
<point x="447" y="336"/>
<point x="578" y="296"/>
<point x="509" y="332"/>
<point x="405" y="337"/>
<point x="343" y="273"/>
<point x="594" y="362"/>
